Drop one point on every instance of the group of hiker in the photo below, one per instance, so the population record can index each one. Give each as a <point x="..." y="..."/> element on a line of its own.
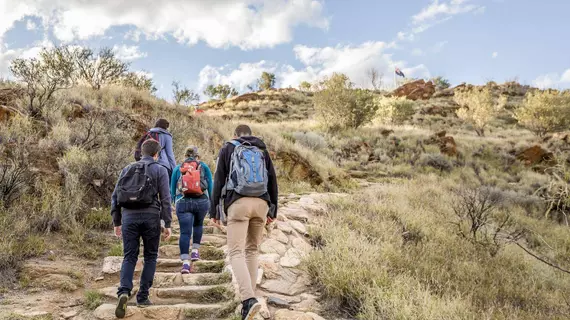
<point x="242" y="195"/>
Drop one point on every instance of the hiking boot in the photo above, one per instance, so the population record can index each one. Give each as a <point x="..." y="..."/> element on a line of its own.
<point x="143" y="304"/>
<point x="195" y="256"/>
<point x="250" y="308"/>
<point x="185" y="269"/>
<point x="121" y="309"/>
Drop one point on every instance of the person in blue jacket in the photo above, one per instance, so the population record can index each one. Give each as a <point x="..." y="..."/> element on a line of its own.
<point x="166" y="155"/>
<point x="191" y="210"/>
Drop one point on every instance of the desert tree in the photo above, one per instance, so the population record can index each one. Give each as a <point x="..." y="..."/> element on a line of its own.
<point x="375" y="77"/>
<point x="221" y="91"/>
<point x="478" y="107"/>
<point x="99" y="69"/>
<point x="545" y="111"/>
<point x="183" y="94"/>
<point x="441" y="83"/>
<point x="53" y="70"/>
<point x="139" y="81"/>
<point x="267" y="81"/>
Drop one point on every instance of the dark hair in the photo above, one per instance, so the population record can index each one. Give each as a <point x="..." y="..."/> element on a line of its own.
<point x="191" y="152"/>
<point x="162" y="123"/>
<point x="242" y="130"/>
<point x="150" y="148"/>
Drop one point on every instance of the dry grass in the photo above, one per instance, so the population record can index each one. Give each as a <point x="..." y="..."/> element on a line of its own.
<point x="391" y="253"/>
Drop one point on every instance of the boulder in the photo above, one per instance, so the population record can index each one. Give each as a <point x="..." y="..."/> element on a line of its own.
<point x="112" y="265"/>
<point x="291" y="259"/>
<point x="302" y="245"/>
<point x="273" y="246"/>
<point x="416" y="90"/>
<point x="279" y="236"/>
<point x="278" y="302"/>
<point x="284" y="226"/>
<point x="291" y="283"/>
<point x="298" y="226"/>
<point x="536" y="155"/>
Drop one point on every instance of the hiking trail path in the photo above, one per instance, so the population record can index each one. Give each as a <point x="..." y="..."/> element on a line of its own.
<point x="209" y="292"/>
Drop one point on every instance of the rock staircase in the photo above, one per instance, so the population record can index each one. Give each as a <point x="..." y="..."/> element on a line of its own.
<point x="206" y="293"/>
<point x="284" y="289"/>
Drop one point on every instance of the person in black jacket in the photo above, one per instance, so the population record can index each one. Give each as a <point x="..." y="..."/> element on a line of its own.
<point x="246" y="218"/>
<point x="134" y="224"/>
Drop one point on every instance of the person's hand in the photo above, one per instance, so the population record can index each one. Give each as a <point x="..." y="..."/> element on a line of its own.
<point x="214" y="221"/>
<point x="118" y="232"/>
<point x="167" y="233"/>
<point x="269" y="221"/>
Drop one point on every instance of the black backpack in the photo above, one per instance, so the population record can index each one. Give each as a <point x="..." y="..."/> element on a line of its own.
<point x="136" y="188"/>
<point x="145" y="137"/>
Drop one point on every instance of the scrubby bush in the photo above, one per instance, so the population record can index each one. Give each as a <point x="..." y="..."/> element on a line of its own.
<point x="305" y="86"/>
<point x="139" y="81"/>
<point x="441" y="83"/>
<point x="393" y="110"/>
<point x="310" y="140"/>
<point x="545" y="111"/>
<point x="436" y="161"/>
<point x="478" y="107"/>
<point x="339" y="106"/>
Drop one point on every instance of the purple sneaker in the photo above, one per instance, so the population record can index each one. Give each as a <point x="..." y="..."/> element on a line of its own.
<point x="185" y="269"/>
<point x="195" y="256"/>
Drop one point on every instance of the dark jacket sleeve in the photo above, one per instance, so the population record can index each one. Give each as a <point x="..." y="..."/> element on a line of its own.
<point x="115" y="208"/>
<point x="219" y="179"/>
<point x="272" y="188"/>
<point x="164" y="194"/>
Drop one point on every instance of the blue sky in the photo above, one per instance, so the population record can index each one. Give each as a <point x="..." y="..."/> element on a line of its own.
<point x="200" y="42"/>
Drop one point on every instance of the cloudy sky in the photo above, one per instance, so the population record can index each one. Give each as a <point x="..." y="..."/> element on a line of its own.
<point x="201" y="42"/>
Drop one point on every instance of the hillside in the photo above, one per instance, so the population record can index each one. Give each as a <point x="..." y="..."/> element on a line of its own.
<point x="409" y="242"/>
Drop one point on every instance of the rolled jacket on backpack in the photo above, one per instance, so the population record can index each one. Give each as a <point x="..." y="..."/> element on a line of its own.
<point x="223" y="170"/>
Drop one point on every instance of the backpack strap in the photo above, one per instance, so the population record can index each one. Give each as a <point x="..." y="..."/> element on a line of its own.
<point x="235" y="143"/>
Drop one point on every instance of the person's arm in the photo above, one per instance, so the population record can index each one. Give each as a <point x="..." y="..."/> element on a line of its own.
<point x="272" y="188"/>
<point x="208" y="174"/>
<point x="115" y="208"/>
<point x="219" y="180"/>
<point x="164" y="194"/>
<point x="169" y="151"/>
<point x="174" y="183"/>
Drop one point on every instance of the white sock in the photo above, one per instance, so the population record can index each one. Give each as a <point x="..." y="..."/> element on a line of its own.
<point x="194" y="250"/>
<point x="186" y="262"/>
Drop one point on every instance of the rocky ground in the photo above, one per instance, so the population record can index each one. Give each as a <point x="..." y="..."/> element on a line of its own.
<point x="208" y="293"/>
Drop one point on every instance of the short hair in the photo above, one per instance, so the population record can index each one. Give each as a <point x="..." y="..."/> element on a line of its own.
<point x="162" y="123"/>
<point x="150" y="148"/>
<point x="191" y="152"/>
<point x="242" y="130"/>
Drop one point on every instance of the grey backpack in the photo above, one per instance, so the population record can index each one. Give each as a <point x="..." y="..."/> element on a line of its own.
<point x="248" y="174"/>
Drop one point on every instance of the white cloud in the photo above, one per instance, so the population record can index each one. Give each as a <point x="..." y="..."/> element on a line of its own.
<point x="494" y="54"/>
<point x="353" y="61"/>
<point x="444" y="8"/>
<point x="31" y="25"/>
<point x="246" y="24"/>
<point x="417" y="52"/>
<point x="553" y="80"/>
<point x="438" y="47"/>
<point x="7" y="55"/>
<point x="438" y="12"/>
<point x="128" y="53"/>
<point x="246" y="74"/>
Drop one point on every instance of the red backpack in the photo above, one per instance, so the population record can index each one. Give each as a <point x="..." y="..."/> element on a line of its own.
<point x="190" y="182"/>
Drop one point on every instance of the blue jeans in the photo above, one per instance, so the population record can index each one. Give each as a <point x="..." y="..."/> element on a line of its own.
<point x="191" y="213"/>
<point x="134" y="227"/>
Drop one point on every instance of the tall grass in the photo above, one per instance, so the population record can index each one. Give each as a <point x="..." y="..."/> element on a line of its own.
<point x="392" y="253"/>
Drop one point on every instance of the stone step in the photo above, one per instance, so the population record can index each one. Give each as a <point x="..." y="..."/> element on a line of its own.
<point x="206" y="252"/>
<point x="112" y="266"/>
<point x="178" y="311"/>
<point x="179" y="295"/>
<point x="216" y="240"/>
<point x="175" y="279"/>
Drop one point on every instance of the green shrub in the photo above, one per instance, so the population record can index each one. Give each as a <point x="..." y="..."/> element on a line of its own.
<point x="393" y="110"/>
<point x="93" y="299"/>
<point x="339" y="106"/>
<point x="310" y="140"/>
<point x="478" y="107"/>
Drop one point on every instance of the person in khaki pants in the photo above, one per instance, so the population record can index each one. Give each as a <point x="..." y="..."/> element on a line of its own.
<point x="245" y="186"/>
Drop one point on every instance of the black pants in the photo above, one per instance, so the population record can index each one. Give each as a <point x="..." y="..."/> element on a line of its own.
<point x="134" y="227"/>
